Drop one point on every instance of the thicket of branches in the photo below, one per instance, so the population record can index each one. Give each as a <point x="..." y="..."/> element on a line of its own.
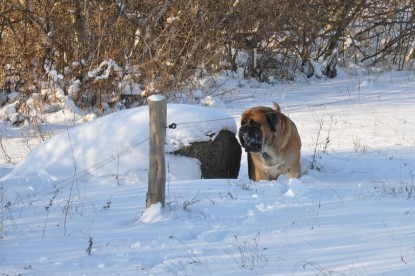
<point x="162" y="44"/>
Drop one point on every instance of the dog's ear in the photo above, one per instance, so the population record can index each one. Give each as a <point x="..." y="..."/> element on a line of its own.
<point x="277" y="107"/>
<point x="272" y="120"/>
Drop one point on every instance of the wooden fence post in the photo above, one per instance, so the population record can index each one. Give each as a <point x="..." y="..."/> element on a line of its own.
<point x="157" y="168"/>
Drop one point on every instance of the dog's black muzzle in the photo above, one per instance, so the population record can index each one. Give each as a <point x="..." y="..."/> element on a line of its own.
<point x="250" y="136"/>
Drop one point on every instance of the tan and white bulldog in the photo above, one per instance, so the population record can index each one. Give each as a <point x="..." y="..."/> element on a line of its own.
<point x="272" y="142"/>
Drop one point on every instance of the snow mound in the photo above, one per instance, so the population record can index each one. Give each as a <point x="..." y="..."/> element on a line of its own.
<point x="116" y="146"/>
<point x="152" y="214"/>
<point x="296" y="188"/>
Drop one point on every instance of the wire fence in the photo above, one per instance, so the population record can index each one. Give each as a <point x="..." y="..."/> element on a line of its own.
<point x="58" y="186"/>
<point x="50" y="192"/>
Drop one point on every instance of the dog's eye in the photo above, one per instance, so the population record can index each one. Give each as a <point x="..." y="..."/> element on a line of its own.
<point x="253" y="123"/>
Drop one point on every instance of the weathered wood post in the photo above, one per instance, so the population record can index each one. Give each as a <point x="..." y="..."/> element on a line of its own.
<point x="157" y="169"/>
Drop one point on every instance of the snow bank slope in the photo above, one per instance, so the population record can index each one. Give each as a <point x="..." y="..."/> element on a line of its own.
<point x="117" y="145"/>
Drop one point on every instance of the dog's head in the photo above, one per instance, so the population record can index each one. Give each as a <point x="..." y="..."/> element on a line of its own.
<point x="258" y="125"/>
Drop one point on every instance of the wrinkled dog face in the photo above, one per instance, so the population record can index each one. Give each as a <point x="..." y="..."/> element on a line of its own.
<point x="255" y="123"/>
<point x="250" y="135"/>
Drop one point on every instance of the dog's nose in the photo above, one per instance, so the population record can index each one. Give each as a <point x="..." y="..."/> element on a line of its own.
<point x="243" y="128"/>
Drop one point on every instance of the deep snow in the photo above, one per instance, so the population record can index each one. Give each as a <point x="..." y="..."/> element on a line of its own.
<point x="76" y="204"/>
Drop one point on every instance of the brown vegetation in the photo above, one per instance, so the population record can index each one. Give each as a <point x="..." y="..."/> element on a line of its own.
<point x="162" y="44"/>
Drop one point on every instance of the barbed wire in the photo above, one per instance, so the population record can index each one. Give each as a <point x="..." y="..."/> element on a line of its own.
<point x="175" y="125"/>
<point x="337" y="101"/>
<point x="60" y="185"/>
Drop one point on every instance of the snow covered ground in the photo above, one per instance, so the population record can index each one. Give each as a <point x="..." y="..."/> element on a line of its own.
<point x="75" y="205"/>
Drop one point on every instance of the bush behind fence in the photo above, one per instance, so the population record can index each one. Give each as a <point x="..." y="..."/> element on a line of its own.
<point x="161" y="45"/>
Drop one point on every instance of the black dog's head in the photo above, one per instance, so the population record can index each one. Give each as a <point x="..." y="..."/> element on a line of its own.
<point x="257" y="124"/>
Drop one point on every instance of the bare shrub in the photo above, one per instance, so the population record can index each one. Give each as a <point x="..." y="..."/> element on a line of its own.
<point x="395" y="189"/>
<point x="250" y="255"/>
<point x="168" y="42"/>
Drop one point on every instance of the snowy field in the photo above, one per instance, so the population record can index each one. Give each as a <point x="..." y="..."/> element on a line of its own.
<point x="75" y="204"/>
